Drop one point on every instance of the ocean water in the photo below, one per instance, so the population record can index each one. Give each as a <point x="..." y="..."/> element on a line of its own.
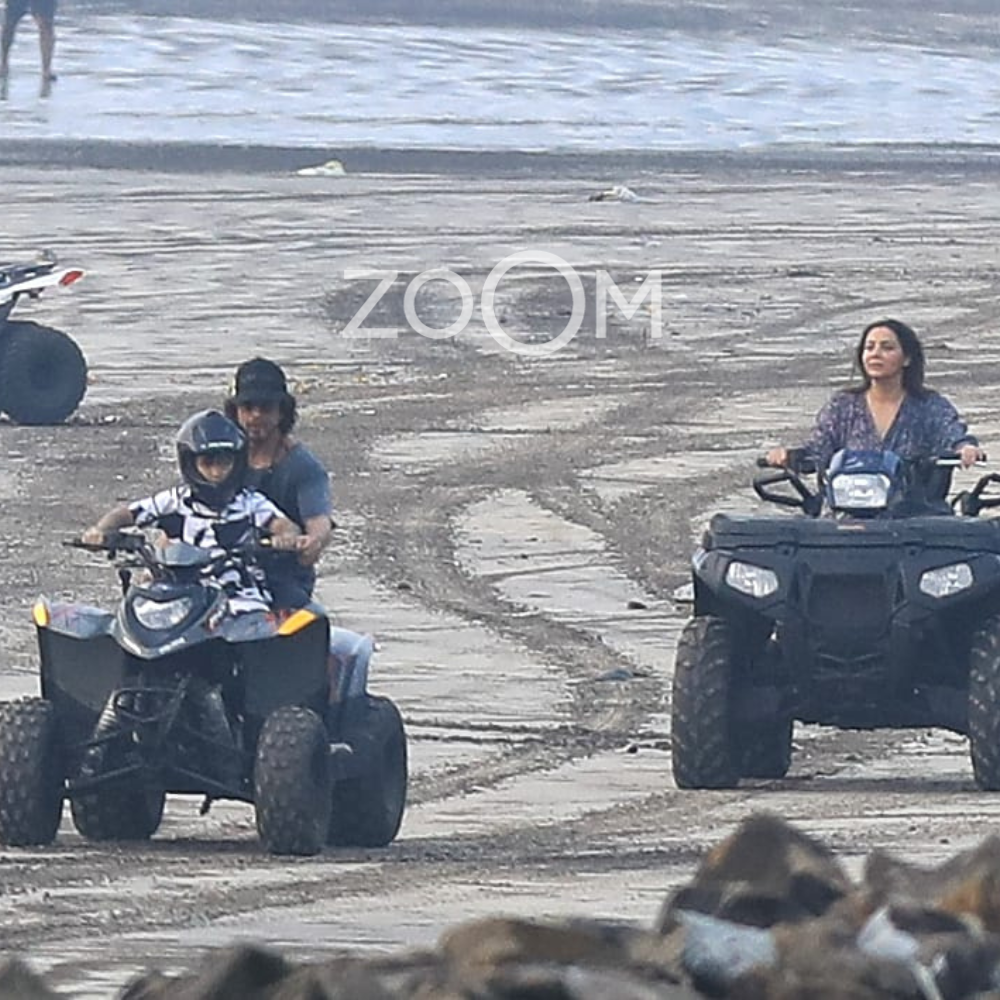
<point x="132" y="78"/>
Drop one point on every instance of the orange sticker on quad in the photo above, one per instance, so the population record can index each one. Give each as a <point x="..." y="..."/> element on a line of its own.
<point x="295" y="621"/>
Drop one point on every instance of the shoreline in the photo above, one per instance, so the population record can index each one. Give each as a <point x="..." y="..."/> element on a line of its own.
<point x="196" y="158"/>
<point x="898" y="20"/>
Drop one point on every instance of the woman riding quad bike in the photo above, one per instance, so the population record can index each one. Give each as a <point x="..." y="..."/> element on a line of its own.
<point x="879" y="608"/>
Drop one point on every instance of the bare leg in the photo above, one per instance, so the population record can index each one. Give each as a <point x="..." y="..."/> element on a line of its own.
<point x="46" y="46"/>
<point x="6" y="41"/>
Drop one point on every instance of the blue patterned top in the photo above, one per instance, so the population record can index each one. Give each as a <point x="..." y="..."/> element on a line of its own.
<point x="925" y="426"/>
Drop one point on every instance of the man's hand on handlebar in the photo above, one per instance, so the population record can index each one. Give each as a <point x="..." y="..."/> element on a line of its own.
<point x="287" y="543"/>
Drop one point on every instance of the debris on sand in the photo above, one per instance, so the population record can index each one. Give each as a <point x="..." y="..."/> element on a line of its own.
<point x="617" y="193"/>
<point x="332" y="168"/>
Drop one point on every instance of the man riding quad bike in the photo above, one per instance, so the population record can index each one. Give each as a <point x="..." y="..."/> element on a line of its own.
<point x="880" y="608"/>
<point x="173" y="692"/>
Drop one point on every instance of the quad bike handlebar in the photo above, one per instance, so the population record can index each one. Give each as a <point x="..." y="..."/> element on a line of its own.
<point x="114" y="542"/>
<point x="968" y="503"/>
<point x="811" y="501"/>
<point x="803" y="464"/>
<point x="796" y="460"/>
<point x="135" y="542"/>
<point x="132" y="549"/>
<point x="971" y="502"/>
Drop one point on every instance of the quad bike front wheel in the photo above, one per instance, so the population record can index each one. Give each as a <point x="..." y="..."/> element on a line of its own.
<point x="31" y="777"/>
<point x="984" y="705"/>
<point x="704" y="747"/>
<point x="116" y="811"/>
<point x="368" y="808"/>
<point x="293" y="782"/>
<point x="43" y="374"/>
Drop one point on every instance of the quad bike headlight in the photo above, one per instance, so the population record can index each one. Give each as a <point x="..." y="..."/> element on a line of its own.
<point x="160" y="615"/>
<point x="861" y="491"/>
<point x="946" y="580"/>
<point x="756" y="581"/>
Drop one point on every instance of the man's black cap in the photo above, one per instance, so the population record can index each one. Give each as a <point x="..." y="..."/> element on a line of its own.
<point x="259" y="381"/>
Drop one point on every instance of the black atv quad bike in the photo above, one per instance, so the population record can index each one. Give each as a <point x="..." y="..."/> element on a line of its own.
<point x="43" y="374"/>
<point x="878" y="609"/>
<point x="174" y="692"/>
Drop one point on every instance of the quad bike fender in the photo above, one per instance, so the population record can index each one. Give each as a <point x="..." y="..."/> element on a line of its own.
<point x="81" y="664"/>
<point x="287" y="668"/>
<point x="80" y="621"/>
<point x="350" y="658"/>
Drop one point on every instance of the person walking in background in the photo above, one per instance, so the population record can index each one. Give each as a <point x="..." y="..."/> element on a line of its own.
<point x="44" y="13"/>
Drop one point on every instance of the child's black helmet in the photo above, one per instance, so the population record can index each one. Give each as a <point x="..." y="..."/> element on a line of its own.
<point x="210" y="433"/>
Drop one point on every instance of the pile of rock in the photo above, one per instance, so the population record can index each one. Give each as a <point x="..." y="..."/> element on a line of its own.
<point x="769" y="915"/>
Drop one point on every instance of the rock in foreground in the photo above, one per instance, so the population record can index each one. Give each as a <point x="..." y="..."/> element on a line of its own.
<point x="769" y="915"/>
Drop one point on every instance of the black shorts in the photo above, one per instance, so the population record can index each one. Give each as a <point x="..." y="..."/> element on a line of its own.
<point x="16" y="9"/>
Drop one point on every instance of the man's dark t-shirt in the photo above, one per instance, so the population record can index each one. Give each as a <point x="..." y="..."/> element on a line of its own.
<point x="300" y="486"/>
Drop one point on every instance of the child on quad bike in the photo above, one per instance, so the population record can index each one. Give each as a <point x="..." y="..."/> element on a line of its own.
<point x="213" y="508"/>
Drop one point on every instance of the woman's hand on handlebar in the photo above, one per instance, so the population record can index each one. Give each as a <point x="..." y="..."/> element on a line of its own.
<point x="93" y="536"/>
<point x="777" y="457"/>
<point x="969" y="454"/>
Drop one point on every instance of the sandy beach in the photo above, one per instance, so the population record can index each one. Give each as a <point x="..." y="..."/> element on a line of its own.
<point x="512" y="527"/>
<point x="499" y="513"/>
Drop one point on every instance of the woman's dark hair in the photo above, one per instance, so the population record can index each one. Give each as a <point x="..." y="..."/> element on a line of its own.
<point x="913" y="351"/>
<point x="286" y="408"/>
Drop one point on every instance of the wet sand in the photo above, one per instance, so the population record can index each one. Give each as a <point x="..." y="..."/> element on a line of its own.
<point x="929" y="22"/>
<point x="902" y="160"/>
<point x="512" y="529"/>
<point x="499" y="513"/>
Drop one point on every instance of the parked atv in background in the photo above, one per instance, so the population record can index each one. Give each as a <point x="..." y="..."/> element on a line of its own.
<point x="173" y="692"/>
<point x="43" y="374"/>
<point x="880" y="608"/>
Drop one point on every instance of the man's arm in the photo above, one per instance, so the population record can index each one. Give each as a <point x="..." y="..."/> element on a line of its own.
<point x="316" y="536"/>
<point x="315" y="505"/>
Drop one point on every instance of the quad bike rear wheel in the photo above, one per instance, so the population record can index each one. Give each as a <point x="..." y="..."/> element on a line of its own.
<point x="43" y="374"/>
<point x="767" y="749"/>
<point x="984" y="705"/>
<point x="31" y="773"/>
<point x="703" y="741"/>
<point x="368" y="808"/>
<point x="293" y="782"/>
